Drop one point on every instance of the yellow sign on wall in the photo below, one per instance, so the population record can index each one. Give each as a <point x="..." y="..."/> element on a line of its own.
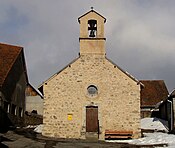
<point x="69" y="117"/>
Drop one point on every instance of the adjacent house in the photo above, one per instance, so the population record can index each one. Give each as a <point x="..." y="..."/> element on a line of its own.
<point x="13" y="82"/>
<point x="34" y="100"/>
<point x="154" y="91"/>
<point x="167" y="111"/>
<point x="34" y="106"/>
<point x="91" y="96"/>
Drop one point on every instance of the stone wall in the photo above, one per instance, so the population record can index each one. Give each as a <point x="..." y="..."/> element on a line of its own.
<point x="33" y="119"/>
<point x="65" y="94"/>
<point x="34" y="103"/>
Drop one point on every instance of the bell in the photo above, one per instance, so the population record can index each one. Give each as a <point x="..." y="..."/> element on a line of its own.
<point x="92" y="33"/>
<point x="92" y="27"/>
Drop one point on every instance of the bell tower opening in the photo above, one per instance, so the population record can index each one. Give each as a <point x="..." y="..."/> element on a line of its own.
<point x="92" y="28"/>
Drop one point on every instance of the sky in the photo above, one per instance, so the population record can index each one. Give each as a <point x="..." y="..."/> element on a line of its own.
<point x="140" y="35"/>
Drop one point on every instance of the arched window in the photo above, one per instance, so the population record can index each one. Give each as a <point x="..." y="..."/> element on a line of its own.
<point x="92" y="28"/>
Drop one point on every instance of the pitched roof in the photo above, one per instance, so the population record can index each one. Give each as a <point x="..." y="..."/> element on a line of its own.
<point x="172" y="94"/>
<point x="125" y="72"/>
<point x="32" y="91"/>
<point x="8" y="56"/>
<point x="89" y="12"/>
<point x="55" y="74"/>
<point x="153" y="92"/>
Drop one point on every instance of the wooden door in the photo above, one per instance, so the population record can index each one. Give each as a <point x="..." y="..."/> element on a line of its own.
<point x="91" y="119"/>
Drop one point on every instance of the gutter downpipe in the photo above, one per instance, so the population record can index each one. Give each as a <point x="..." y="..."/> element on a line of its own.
<point x="171" y="127"/>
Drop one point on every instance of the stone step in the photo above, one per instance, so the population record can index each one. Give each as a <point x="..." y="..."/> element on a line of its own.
<point x="91" y="136"/>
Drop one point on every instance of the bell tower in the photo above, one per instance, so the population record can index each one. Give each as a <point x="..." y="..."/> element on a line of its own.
<point x="92" y="40"/>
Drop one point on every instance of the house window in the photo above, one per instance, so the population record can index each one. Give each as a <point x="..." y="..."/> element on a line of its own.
<point x="20" y="113"/>
<point x="6" y="107"/>
<point x="92" y="90"/>
<point x="92" y="28"/>
<point x="13" y="109"/>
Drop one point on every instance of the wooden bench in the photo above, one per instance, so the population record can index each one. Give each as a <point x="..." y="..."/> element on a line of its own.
<point x="114" y="134"/>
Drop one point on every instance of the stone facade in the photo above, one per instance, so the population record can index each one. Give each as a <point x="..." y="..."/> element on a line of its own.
<point x="66" y="95"/>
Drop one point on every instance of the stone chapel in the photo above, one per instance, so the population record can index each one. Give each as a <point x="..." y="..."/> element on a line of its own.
<point x="91" y="96"/>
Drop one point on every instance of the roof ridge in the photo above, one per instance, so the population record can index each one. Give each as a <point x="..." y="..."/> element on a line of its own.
<point x="92" y="10"/>
<point x="11" y="45"/>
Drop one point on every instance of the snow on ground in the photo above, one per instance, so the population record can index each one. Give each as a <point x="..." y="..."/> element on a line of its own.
<point x="149" y="138"/>
<point x="154" y="124"/>
<point x="155" y="138"/>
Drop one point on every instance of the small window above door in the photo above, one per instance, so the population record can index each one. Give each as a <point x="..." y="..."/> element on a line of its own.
<point x="92" y="90"/>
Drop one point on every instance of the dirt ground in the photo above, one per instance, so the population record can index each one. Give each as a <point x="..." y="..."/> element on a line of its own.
<point x="27" y="138"/>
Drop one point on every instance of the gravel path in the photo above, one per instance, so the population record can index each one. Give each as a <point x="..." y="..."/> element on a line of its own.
<point x="21" y="138"/>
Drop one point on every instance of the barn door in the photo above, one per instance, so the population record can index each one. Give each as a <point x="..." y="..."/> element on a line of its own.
<point x="91" y="119"/>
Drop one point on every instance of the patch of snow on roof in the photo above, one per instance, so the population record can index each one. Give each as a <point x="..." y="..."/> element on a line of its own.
<point x="154" y="124"/>
<point x="39" y="128"/>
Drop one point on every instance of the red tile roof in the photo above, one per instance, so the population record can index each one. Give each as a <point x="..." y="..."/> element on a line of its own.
<point x="153" y="92"/>
<point x="8" y="55"/>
